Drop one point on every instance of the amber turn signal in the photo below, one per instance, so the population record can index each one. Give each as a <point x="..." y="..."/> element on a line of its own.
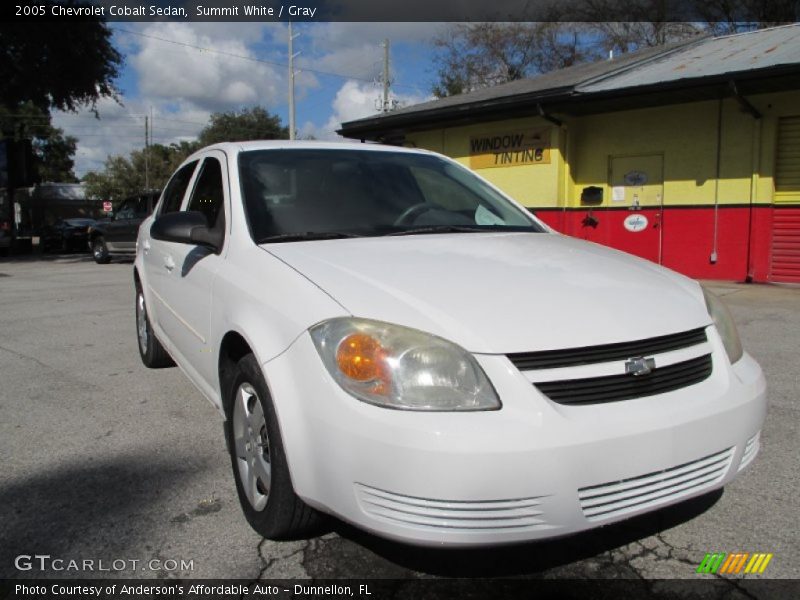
<point x="360" y="357"/>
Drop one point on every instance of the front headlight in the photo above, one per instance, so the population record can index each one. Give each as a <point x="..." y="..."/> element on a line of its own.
<point x="723" y="320"/>
<point x="397" y="367"/>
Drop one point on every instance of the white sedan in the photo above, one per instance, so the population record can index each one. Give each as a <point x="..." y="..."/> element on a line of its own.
<point x="393" y="341"/>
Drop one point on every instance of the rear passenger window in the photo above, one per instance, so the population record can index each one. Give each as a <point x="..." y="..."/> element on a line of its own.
<point x="176" y="188"/>
<point x="207" y="196"/>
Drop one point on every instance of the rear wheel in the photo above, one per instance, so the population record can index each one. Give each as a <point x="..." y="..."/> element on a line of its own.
<point x="99" y="251"/>
<point x="150" y="349"/>
<point x="259" y="463"/>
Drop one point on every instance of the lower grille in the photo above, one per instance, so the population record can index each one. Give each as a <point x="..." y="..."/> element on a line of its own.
<point x="479" y="516"/>
<point x="607" y="500"/>
<point x="612" y="388"/>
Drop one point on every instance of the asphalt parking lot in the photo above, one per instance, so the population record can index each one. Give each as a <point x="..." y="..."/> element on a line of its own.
<point x="106" y="460"/>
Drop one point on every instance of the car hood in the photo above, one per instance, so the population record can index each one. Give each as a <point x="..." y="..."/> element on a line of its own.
<point x="498" y="293"/>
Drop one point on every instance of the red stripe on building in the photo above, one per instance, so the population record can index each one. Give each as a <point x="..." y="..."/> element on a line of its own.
<point x="683" y="238"/>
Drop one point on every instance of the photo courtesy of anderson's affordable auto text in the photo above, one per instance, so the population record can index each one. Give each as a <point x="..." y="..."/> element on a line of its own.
<point x="302" y="301"/>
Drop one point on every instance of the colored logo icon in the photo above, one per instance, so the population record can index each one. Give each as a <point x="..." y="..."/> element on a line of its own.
<point x="736" y="563"/>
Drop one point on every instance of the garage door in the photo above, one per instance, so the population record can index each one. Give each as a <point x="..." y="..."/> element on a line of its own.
<point x="785" y="262"/>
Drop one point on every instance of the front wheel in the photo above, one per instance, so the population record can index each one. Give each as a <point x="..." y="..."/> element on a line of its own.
<point x="99" y="251"/>
<point x="150" y="349"/>
<point x="263" y="482"/>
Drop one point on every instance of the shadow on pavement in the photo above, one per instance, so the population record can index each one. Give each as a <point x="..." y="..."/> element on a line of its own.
<point x="66" y="257"/>
<point x="62" y="258"/>
<point x="86" y="510"/>
<point x="532" y="558"/>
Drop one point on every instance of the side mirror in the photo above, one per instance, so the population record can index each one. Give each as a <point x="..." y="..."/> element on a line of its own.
<point x="188" y="227"/>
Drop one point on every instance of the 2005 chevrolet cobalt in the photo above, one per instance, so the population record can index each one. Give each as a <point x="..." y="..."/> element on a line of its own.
<point x="392" y="340"/>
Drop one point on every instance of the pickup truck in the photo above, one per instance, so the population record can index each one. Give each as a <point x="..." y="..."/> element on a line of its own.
<point x="116" y="236"/>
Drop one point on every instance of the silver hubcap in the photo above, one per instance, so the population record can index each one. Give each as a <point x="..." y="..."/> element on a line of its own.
<point x="98" y="249"/>
<point x="251" y="445"/>
<point x="141" y="322"/>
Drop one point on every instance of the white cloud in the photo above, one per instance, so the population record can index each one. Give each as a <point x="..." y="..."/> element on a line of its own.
<point x="181" y="84"/>
<point x="353" y="101"/>
<point x="184" y="85"/>
<point x="356" y="49"/>
<point x="212" y="80"/>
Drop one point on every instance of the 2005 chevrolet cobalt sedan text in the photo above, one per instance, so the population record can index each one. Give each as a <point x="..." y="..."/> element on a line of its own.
<point x="393" y="341"/>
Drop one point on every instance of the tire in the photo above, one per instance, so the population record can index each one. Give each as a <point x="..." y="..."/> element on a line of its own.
<point x="150" y="349"/>
<point x="258" y="460"/>
<point x="99" y="251"/>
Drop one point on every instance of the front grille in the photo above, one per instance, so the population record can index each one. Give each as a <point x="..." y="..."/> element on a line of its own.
<point x="594" y="390"/>
<point x="616" y="498"/>
<point x="478" y="516"/>
<point x="570" y="357"/>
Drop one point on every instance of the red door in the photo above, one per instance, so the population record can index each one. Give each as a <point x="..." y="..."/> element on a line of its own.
<point x="630" y="219"/>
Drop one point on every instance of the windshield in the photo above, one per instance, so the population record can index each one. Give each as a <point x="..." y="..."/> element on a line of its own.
<point x="300" y="194"/>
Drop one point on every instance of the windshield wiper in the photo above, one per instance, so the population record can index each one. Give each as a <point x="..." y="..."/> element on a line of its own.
<point x="440" y="229"/>
<point x="306" y="235"/>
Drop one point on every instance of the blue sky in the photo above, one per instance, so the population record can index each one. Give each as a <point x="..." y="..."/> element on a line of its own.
<point x="183" y="72"/>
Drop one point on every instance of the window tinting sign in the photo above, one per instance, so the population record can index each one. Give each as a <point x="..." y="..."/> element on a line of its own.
<point x="510" y="149"/>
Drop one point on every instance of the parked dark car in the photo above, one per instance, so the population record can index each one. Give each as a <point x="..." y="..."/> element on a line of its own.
<point x="117" y="236"/>
<point x="66" y="235"/>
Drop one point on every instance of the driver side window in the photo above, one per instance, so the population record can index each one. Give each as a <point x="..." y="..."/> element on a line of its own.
<point x="207" y="195"/>
<point x="176" y="189"/>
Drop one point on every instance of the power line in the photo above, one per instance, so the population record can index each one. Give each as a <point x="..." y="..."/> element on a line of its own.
<point x="240" y="56"/>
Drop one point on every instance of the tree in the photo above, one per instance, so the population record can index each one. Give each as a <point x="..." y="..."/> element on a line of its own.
<point x="246" y="124"/>
<point x="476" y="55"/>
<point x="44" y="65"/>
<point x="53" y="66"/>
<point x="636" y="24"/>
<point x="125" y="176"/>
<point x="52" y="150"/>
<point x="733" y="16"/>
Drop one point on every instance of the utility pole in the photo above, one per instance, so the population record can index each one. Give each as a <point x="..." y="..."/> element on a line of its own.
<point x="150" y="141"/>
<point x="292" y="56"/>
<point x="386" y="75"/>
<point x="146" y="154"/>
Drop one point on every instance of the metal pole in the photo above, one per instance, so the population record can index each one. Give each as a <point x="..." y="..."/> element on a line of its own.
<point x="146" y="154"/>
<point x="386" y="75"/>
<point x="291" y="84"/>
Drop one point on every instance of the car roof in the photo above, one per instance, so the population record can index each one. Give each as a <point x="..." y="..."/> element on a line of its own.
<point x="233" y="148"/>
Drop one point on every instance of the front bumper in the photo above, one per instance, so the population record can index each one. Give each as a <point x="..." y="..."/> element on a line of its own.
<point x="532" y="470"/>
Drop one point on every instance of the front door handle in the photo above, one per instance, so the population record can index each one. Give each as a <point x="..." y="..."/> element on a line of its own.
<point x="146" y="246"/>
<point x="169" y="264"/>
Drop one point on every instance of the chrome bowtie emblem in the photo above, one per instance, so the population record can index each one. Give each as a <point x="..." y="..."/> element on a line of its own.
<point x="640" y="365"/>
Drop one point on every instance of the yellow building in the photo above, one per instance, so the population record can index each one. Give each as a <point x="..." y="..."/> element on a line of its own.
<point x="688" y="155"/>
